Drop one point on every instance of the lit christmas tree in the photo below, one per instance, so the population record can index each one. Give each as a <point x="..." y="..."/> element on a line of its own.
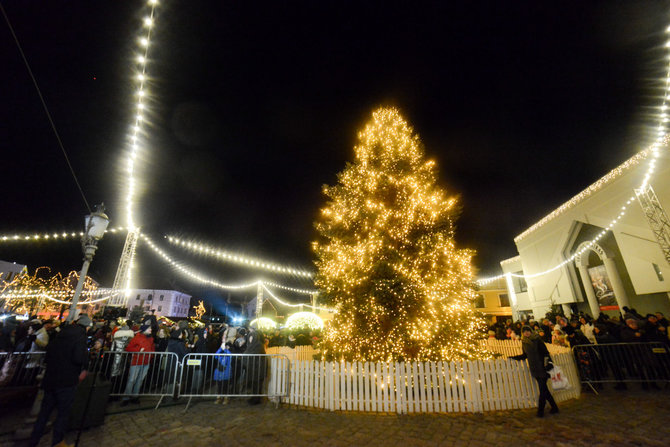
<point x="386" y="256"/>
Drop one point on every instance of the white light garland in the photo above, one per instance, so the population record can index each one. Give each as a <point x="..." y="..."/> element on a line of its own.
<point x="51" y="296"/>
<point x="273" y="296"/>
<point x="652" y="153"/>
<point x="52" y="236"/>
<point x="202" y="279"/>
<point x="141" y="78"/>
<point x="238" y="258"/>
<point x="291" y="289"/>
<point x="190" y="273"/>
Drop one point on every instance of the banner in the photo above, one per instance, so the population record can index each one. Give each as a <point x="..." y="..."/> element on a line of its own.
<point x="602" y="288"/>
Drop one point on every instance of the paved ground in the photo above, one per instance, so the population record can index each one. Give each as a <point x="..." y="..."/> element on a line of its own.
<point x="633" y="418"/>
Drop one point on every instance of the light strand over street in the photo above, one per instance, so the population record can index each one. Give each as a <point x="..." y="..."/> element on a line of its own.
<point x="190" y="273"/>
<point x="142" y="97"/>
<point x="53" y="236"/>
<point x="238" y="258"/>
<point x="273" y="296"/>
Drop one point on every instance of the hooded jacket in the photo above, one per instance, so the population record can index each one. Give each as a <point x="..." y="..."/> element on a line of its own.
<point x="66" y="358"/>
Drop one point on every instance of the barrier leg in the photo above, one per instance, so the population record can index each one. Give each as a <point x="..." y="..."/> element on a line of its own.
<point x="187" y="404"/>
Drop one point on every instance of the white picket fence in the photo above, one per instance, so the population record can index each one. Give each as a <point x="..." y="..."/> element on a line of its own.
<point x="421" y="387"/>
<point x="294" y="354"/>
<point x="503" y="347"/>
<point x="509" y="348"/>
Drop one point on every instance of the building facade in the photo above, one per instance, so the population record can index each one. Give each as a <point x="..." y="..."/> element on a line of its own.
<point x="165" y="303"/>
<point x="493" y="301"/>
<point x="10" y="270"/>
<point x="628" y="265"/>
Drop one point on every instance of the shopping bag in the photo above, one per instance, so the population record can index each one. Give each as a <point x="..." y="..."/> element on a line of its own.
<point x="559" y="381"/>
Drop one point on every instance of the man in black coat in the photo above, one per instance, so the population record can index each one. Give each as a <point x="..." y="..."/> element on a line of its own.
<point x="66" y="359"/>
<point x="536" y="352"/>
<point x="255" y="365"/>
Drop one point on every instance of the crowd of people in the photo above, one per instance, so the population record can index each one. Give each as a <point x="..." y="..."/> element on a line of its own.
<point x="136" y="346"/>
<point x="581" y="329"/>
<point x="126" y="353"/>
<point x="605" y="349"/>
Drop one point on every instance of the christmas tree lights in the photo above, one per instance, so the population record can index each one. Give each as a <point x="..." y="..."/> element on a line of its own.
<point x="387" y="259"/>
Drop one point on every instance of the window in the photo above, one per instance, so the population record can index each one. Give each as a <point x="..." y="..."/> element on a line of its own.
<point x="138" y="297"/>
<point x="150" y="297"/>
<point x="504" y="300"/>
<point x="479" y="301"/>
<point x="658" y="271"/>
<point x="160" y="308"/>
<point x="520" y="285"/>
<point x="161" y="298"/>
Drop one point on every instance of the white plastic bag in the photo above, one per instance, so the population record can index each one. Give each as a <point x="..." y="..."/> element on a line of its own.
<point x="559" y="381"/>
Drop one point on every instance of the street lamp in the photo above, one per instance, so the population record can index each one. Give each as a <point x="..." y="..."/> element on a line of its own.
<point x="96" y="225"/>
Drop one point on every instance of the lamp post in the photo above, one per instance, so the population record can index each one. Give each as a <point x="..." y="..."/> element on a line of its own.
<point x="96" y="225"/>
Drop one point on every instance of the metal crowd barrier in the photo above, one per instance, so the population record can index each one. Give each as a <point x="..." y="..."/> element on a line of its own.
<point x="134" y="374"/>
<point x="235" y="375"/>
<point x="18" y="369"/>
<point x="619" y="363"/>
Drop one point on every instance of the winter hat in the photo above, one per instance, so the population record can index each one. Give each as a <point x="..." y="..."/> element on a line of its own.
<point x="526" y="328"/>
<point x="85" y="321"/>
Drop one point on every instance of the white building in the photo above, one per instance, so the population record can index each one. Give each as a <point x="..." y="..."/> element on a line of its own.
<point x="10" y="270"/>
<point x="627" y="266"/>
<point x="166" y="303"/>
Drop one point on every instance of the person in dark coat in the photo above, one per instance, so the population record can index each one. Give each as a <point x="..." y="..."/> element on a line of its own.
<point x="256" y="366"/>
<point x="176" y="345"/>
<point x="197" y="371"/>
<point x="538" y="358"/>
<point x="66" y="359"/>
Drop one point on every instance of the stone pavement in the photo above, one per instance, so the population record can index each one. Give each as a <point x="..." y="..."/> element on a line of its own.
<point x="633" y="418"/>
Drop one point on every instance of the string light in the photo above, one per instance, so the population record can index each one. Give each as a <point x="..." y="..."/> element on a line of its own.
<point x="139" y="118"/>
<point x="280" y="301"/>
<point x="22" y="291"/>
<point x="238" y="258"/>
<point x="651" y="154"/>
<point x="52" y="236"/>
<point x="190" y="273"/>
<point x="202" y="279"/>
<point x="291" y="289"/>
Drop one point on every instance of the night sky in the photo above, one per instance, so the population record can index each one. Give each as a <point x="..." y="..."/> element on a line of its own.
<point x="256" y="105"/>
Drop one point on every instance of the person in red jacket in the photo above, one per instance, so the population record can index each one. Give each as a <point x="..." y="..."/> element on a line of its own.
<point x="141" y="343"/>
